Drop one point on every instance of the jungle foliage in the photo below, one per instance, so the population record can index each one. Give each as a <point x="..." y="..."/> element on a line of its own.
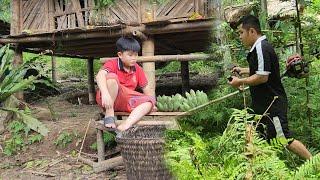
<point x="208" y="146"/>
<point x="13" y="80"/>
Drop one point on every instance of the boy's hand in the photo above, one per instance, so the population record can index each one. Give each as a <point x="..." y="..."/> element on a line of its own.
<point x="154" y="109"/>
<point x="107" y="101"/>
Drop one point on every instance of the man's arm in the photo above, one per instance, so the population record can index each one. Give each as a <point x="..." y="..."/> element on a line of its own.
<point x="252" y="80"/>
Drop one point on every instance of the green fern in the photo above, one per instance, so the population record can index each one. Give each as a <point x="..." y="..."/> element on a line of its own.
<point x="310" y="169"/>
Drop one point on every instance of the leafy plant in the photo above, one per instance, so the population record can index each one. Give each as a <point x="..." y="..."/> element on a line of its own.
<point x="63" y="139"/>
<point x="35" y="138"/>
<point x="103" y="3"/>
<point x="108" y="139"/>
<point x="235" y="154"/>
<point x="12" y="78"/>
<point x="73" y="67"/>
<point x="19" y="138"/>
<point x="5" y="14"/>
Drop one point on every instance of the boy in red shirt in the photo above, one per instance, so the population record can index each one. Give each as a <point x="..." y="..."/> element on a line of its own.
<point x="117" y="81"/>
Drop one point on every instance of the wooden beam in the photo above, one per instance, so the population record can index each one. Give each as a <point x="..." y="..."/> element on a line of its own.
<point x="171" y="124"/>
<point x="91" y="89"/>
<point x="140" y="35"/>
<point x="103" y="165"/>
<point x="107" y="164"/>
<point x="57" y="54"/>
<point x="149" y="67"/>
<point x="205" y="25"/>
<point x="100" y="145"/>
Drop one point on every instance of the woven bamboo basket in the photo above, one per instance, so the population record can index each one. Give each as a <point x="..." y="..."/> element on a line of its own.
<point x="142" y="151"/>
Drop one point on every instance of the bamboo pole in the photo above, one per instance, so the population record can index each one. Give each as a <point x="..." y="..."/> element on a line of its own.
<point x="149" y="67"/>
<point x="167" y="58"/>
<point x="91" y="89"/>
<point x="212" y="102"/>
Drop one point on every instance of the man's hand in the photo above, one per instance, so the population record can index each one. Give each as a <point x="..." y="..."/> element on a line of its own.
<point x="293" y="58"/>
<point x="240" y="71"/>
<point x="235" y="82"/>
<point x="107" y="101"/>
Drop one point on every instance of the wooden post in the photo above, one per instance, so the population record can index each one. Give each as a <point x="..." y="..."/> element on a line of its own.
<point x="100" y="145"/>
<point x="149" y="67"/>
<point x="17" y="61"/>
<point x="185" y="76"/>
<point x="53" y="69"/>
<point x="15" y="20"/>
<point x="91" y="89"/>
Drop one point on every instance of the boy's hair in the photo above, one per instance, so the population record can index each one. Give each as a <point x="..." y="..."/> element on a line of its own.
<point x="127" y="44"/>
<point x="250" y="21"/>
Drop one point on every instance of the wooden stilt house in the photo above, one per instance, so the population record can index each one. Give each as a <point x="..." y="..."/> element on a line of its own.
<point x="78" y="28"/>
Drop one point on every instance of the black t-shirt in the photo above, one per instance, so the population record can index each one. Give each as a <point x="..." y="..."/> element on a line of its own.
<point x="263" y="60"/>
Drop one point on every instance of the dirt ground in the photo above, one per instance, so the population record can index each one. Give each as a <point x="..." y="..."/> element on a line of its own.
<point x="53" y="161"/>
<point x="45" y="160"/>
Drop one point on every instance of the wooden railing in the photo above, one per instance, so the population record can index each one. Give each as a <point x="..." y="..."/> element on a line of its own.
<point x="50" y="15"/>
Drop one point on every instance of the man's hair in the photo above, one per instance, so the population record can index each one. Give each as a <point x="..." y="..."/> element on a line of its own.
<point x="250" y="21"/>
<point x="127" y="44"/>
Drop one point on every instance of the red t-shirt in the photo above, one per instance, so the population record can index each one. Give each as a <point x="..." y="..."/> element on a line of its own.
<point x="133" y="79"/>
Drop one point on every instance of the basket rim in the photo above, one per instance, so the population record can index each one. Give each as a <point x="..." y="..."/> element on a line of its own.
<point x="140" y="138"/>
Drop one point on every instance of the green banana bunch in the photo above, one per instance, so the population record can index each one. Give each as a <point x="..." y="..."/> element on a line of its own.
<point x="177" y="102"/>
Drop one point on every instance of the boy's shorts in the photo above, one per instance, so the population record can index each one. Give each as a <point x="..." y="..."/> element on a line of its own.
<point x="127" y="99"/>
<point x="275" y="125"/>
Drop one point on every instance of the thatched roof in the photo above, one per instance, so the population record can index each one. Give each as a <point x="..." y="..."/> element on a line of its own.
<point x="277" y="9"/>
<point x="282" y="9"/>
<point x="233" y="14"/>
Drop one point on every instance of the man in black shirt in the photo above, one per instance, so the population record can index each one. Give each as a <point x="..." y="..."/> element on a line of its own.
<point x="265" y="85"/>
